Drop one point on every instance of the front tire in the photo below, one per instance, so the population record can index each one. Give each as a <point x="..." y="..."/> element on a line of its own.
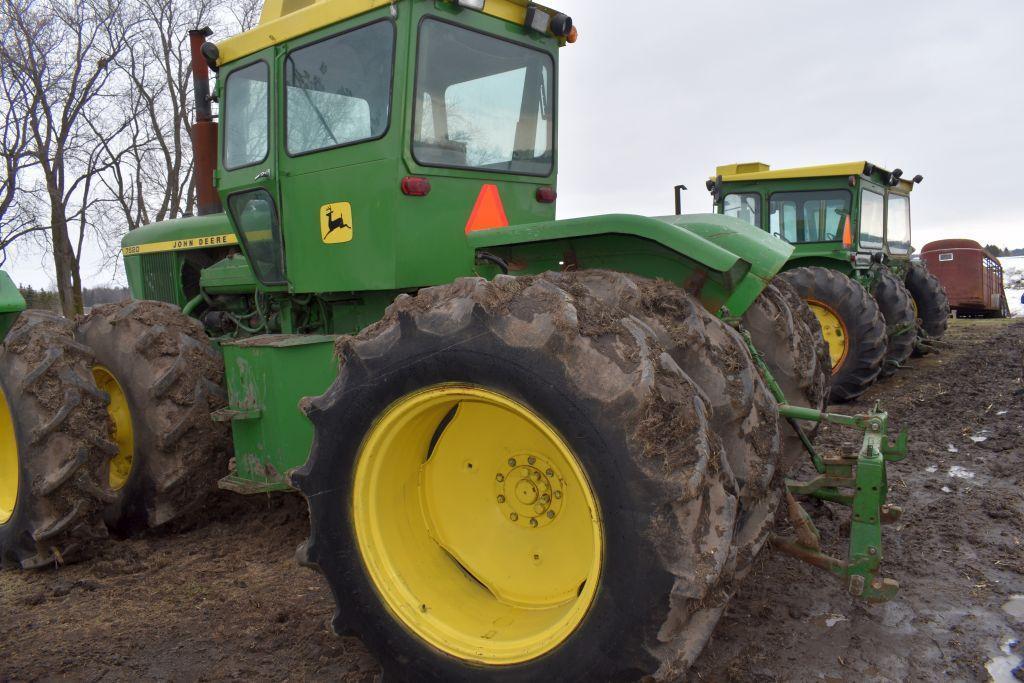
<point x="931" y="304"/>
<point x="897" y="307"/>
<point x="54" y="450"/>
<point x="851" y="324"/>
<point x="635" y="431"/>
<point x="165" y="379"/>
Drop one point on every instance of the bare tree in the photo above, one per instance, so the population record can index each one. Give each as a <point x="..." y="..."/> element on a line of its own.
<point x="58" y="54"/>
<point x="152" y="179"/>
<point x="16" y="157"/>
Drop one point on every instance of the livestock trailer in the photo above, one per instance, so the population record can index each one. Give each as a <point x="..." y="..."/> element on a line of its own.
<point x="972" y="276"/>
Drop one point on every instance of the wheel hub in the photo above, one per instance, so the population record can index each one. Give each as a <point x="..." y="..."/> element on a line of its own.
<point x="530" y="493"/>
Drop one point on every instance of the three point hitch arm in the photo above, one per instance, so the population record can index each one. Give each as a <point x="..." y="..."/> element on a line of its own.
<point x="857" y="481"/>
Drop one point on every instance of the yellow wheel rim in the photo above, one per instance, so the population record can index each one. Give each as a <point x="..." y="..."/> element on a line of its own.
<point x="834" y="332"/>
<point x="124" y="436"/>
<point x="477" y="524"/>
<point x="8" y="461"/>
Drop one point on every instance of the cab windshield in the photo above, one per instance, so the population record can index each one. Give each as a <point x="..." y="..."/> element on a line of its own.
<point x="816" y="216"/>
<point x="482" y="103"/>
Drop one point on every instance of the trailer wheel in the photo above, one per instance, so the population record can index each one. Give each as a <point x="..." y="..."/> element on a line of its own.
<point x="930" y="303"/>
<point x="897" y="307"/>
<point x="510" y="480"/>
<point x="851" y="324"/>
<point x="53" y="445"/>
<point x="164" y="379"/>
<point x="787" y="334"/>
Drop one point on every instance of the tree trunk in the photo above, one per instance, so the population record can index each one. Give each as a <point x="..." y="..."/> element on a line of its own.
<point x="69" y="277"/>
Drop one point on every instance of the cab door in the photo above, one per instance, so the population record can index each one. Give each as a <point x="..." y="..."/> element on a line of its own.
<point x="247" y="177"/>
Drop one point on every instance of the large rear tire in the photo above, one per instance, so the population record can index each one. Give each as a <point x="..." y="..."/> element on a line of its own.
<point x="54" y="451"/>
<point x="788" y="336"/>
<point x="851" y="324"/>
<point x="416" y="483"/>
<point x="897" y="307"/>
<point x="165" y="379"/>
<point x="931" y="304"/>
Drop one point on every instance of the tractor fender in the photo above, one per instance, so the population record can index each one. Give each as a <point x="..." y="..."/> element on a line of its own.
<point x="11" y="304"/>
<point x="722" y="260"/>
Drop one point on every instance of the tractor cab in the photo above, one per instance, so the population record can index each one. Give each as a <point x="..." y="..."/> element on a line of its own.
<point x="857" y="212"/>
<point x="356" y="153"/>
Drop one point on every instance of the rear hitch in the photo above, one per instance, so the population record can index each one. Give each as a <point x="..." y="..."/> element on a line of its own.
<point x="858" y="481"/>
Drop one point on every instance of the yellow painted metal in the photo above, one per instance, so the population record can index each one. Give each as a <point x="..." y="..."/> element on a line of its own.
<point x="181" y="245"/>
<point x="124" y="435"/>
<point x="833" y="330"/>
<point x="477" y="524"/>
<point x="759" y="171"/>
<point x="9" y="474"/>
<point x="283" y="20"/>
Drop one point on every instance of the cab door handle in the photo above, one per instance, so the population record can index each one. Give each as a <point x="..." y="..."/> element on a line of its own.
<point x="262" y="175"/>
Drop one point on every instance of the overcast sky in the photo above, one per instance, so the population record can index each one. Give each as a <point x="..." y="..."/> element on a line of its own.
<point x="659" y="92"/>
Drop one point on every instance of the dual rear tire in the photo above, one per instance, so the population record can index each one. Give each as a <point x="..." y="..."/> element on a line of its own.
<point x="551" y="477"/>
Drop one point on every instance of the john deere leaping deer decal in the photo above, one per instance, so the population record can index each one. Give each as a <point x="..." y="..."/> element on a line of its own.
<point x="336" y="223"/>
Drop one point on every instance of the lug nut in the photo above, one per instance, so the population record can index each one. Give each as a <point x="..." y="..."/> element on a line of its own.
<point x="513" y="516"/>
<point x="551" y="514"/>
<point x="531" y="460"/>
<point x="550" y="472"/>
<point x="511" y="462"/>
<point x="558" y="495"/>
<point x="500" y="477"/>
<point x="533" y="521"/>
<point x="501" y="499"/>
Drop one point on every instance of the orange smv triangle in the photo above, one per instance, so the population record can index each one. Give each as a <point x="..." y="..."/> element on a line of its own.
<point x="489" y="212"/>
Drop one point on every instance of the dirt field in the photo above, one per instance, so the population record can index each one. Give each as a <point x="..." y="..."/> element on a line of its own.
<point x="225" y="599"/>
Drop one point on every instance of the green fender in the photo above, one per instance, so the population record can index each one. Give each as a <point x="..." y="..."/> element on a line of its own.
<point x="11" y="304"/>
<point x="724" y="261"/>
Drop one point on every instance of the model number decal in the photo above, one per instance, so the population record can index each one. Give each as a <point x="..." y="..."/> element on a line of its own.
<point x="180" y="245"/>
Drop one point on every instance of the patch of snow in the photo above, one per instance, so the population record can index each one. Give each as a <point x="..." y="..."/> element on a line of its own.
<point x="946" y="489"/>
<point x="931" y="468"/>
<point x="1002" y="412"/>
<point x="833" y="619"/>
<point x="1001" y="668"/>
<point x="960" y="472"/>
<point x="1015" y="607"/>
<point x="979" y="438"/>
<point x="1013" y="281"/>
<point x="952" y="449"/>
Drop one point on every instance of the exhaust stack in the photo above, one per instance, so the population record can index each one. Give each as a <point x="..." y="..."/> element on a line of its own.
<point x="204" y="130"/>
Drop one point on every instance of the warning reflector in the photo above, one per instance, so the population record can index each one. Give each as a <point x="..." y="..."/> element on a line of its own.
<point x="489" y="212"/>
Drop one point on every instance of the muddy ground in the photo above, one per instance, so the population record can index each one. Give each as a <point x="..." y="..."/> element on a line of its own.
<point x="224" y="598"/>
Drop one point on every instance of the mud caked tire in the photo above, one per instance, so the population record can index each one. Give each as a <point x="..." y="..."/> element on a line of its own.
<point x="932" y="305"/>
<point x="897" y="307"/>
<point x="862" y="327"/>
<point x="172" y="379"/>
<point x="788" y="337"/>
<point x="60" y="427"/>
<point x="578" y="350"/>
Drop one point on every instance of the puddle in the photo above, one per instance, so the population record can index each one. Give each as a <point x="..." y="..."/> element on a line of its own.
<point x="960" y="472"/>
<point x="931" y="468"/>
<point x="952" y="449"/>
<point x="1015" y="607"/>
<point x="1001" y="668"/>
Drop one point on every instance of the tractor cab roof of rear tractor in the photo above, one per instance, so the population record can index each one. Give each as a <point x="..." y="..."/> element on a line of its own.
<point x="756" y="171"/>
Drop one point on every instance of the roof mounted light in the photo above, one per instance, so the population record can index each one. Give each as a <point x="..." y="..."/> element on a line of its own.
<point x="538" y="20"/>
<point x="918" y="179"/>
<point x="478" y="5"/>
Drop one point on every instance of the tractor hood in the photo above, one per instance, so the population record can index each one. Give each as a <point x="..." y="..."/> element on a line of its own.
<point x="179" y="234"/>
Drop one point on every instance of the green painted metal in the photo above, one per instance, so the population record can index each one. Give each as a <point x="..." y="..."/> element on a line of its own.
<point x="11" y="304"/>
<point x="830" y="254"/>
<point x="267" y="377"/>
<point x="859" y="482"/>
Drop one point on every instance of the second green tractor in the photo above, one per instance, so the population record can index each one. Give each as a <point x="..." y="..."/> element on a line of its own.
<point x="850" y="227"/>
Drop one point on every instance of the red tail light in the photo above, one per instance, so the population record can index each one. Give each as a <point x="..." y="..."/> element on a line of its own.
<point x="415" y="187"/>
<point x="546" y="195"/>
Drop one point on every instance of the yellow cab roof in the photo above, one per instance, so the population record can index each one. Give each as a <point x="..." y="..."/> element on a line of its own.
<point x="756" y="170"/>
<point x="283" y="20"/>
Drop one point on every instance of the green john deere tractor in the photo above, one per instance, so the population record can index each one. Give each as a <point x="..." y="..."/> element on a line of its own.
<point x="531" y="448"/>
<point x="850" y="226"/>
